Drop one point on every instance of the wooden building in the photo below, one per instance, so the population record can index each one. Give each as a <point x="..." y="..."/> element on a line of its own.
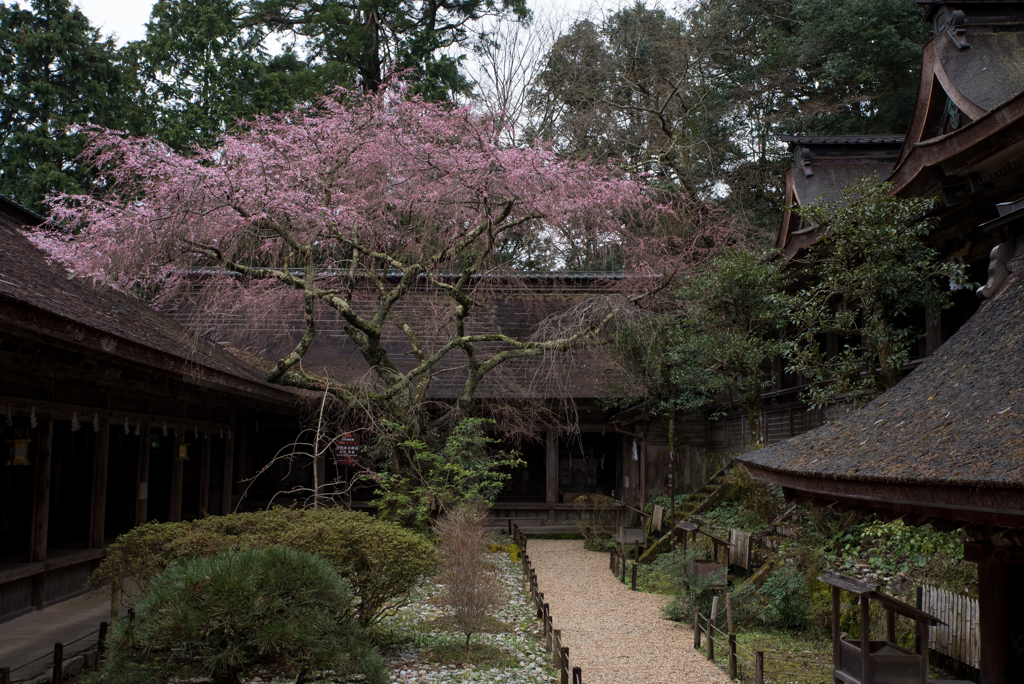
<point x="596" y="456"/>
<point x="110" y="415"/>
<point x="946" y="445"/>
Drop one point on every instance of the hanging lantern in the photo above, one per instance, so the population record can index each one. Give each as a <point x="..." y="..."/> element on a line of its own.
<point x="17" y="454"/>
<point x="183" y="452"/>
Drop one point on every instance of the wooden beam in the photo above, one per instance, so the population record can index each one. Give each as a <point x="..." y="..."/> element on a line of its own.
<point x="98" y="508"/>
<point x="990" y="553"/>
<point x="41" y="496"/>
<point x="227" y="501"/>
<point x="551" y="466"/>
<point x="204" y="476"/>
<point x="142" y="476"/>
<point x="177" y="474"/>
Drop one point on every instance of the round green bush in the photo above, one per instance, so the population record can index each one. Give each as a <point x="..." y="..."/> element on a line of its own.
<point x="227" y="617"/>
<point x="381" y="560"/>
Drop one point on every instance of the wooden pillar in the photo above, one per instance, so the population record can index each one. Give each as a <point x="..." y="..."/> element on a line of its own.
<point x="865" y="639"/>
<point x="98" y="509"/>
<point x="227" y="502"/>
<point x="204" y="476"/>
<point x="551" y="466"/>
<point x="836" y="632"/>
<point x="41" y="497"/>
<point x="142" y="476"/>
<point x="994" y="622"/>
<point x="177" y="474"/>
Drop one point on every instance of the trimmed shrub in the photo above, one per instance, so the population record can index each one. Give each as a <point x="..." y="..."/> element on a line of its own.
<point x="381" y="560"/>
<point x="226" y="617"/>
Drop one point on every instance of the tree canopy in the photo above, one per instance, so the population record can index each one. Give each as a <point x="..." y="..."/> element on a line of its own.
<point x="870" y="269"/>
<point x="345" y="209"/>
<point x="57" y="74"/>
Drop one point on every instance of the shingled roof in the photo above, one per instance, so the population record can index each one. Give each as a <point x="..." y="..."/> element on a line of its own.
<point x="513" y="309"/>
<point x="40" y="298"/>
<point x="957" y="422"/>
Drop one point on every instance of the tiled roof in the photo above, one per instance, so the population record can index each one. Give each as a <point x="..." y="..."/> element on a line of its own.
<point x="957" y="419"/>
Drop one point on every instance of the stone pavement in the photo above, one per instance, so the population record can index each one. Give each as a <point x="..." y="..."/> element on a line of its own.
<point x="33" y="635"/>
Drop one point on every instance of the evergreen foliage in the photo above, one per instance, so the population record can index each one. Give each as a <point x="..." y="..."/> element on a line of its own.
<point x="226" y="617"/>
<point x="870" y="269"/>
<point x="56" y="74"/>
<point x="203" y="65"/>
<point x="466" y="470"/>
<point x="370" y="39"/>
<point x="380" y="560"/>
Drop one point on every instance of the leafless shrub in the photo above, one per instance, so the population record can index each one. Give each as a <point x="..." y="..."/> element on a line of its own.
<point x="470" y="587"/>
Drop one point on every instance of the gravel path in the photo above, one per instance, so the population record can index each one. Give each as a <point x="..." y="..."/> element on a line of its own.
<point x="616" y="635"/>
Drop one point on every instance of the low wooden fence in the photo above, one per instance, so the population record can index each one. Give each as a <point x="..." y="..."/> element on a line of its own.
<point x="960" y="637"/>
<point x="567" y="673"/>
<point x="742" y="664"/>
<point x="55" y="662"/>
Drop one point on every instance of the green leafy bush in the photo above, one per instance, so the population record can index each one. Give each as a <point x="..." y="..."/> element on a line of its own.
<point x="693" y="592"/>
<point x="381" y="560"/>
<point x="466" y="470"/>
<point x="227" y="616"/>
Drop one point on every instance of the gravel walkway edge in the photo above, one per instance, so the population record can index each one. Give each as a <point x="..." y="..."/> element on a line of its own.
<point x="616" y="635"/>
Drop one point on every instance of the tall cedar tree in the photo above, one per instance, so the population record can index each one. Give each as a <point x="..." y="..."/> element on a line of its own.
<point x="375" y="38"/>
<point x="56" y="72"/>
<point x="203" y="65"/>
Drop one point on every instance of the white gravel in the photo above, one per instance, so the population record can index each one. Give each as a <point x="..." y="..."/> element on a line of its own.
<point x="616" y="635"/>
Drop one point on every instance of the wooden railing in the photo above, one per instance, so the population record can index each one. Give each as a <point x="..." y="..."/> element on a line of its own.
<point x="567" y="673"/>
<point x="960" y="637"/>
<point x="55" y="664"/>
<point x="745" y="665"/>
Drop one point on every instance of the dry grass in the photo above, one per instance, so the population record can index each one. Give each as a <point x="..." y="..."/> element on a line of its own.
<point x="470" y="586"/>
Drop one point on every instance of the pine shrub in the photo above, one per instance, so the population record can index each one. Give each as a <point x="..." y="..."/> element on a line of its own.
<point x="229" y="616"/>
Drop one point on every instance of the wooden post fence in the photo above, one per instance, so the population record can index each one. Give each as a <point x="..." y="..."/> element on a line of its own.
<point x="759" y="667"/>
<point x="732" y="656"/>
<point x="101" y="643"/>
<point x="58" y="663"/>
<point x="552" y="637"/>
